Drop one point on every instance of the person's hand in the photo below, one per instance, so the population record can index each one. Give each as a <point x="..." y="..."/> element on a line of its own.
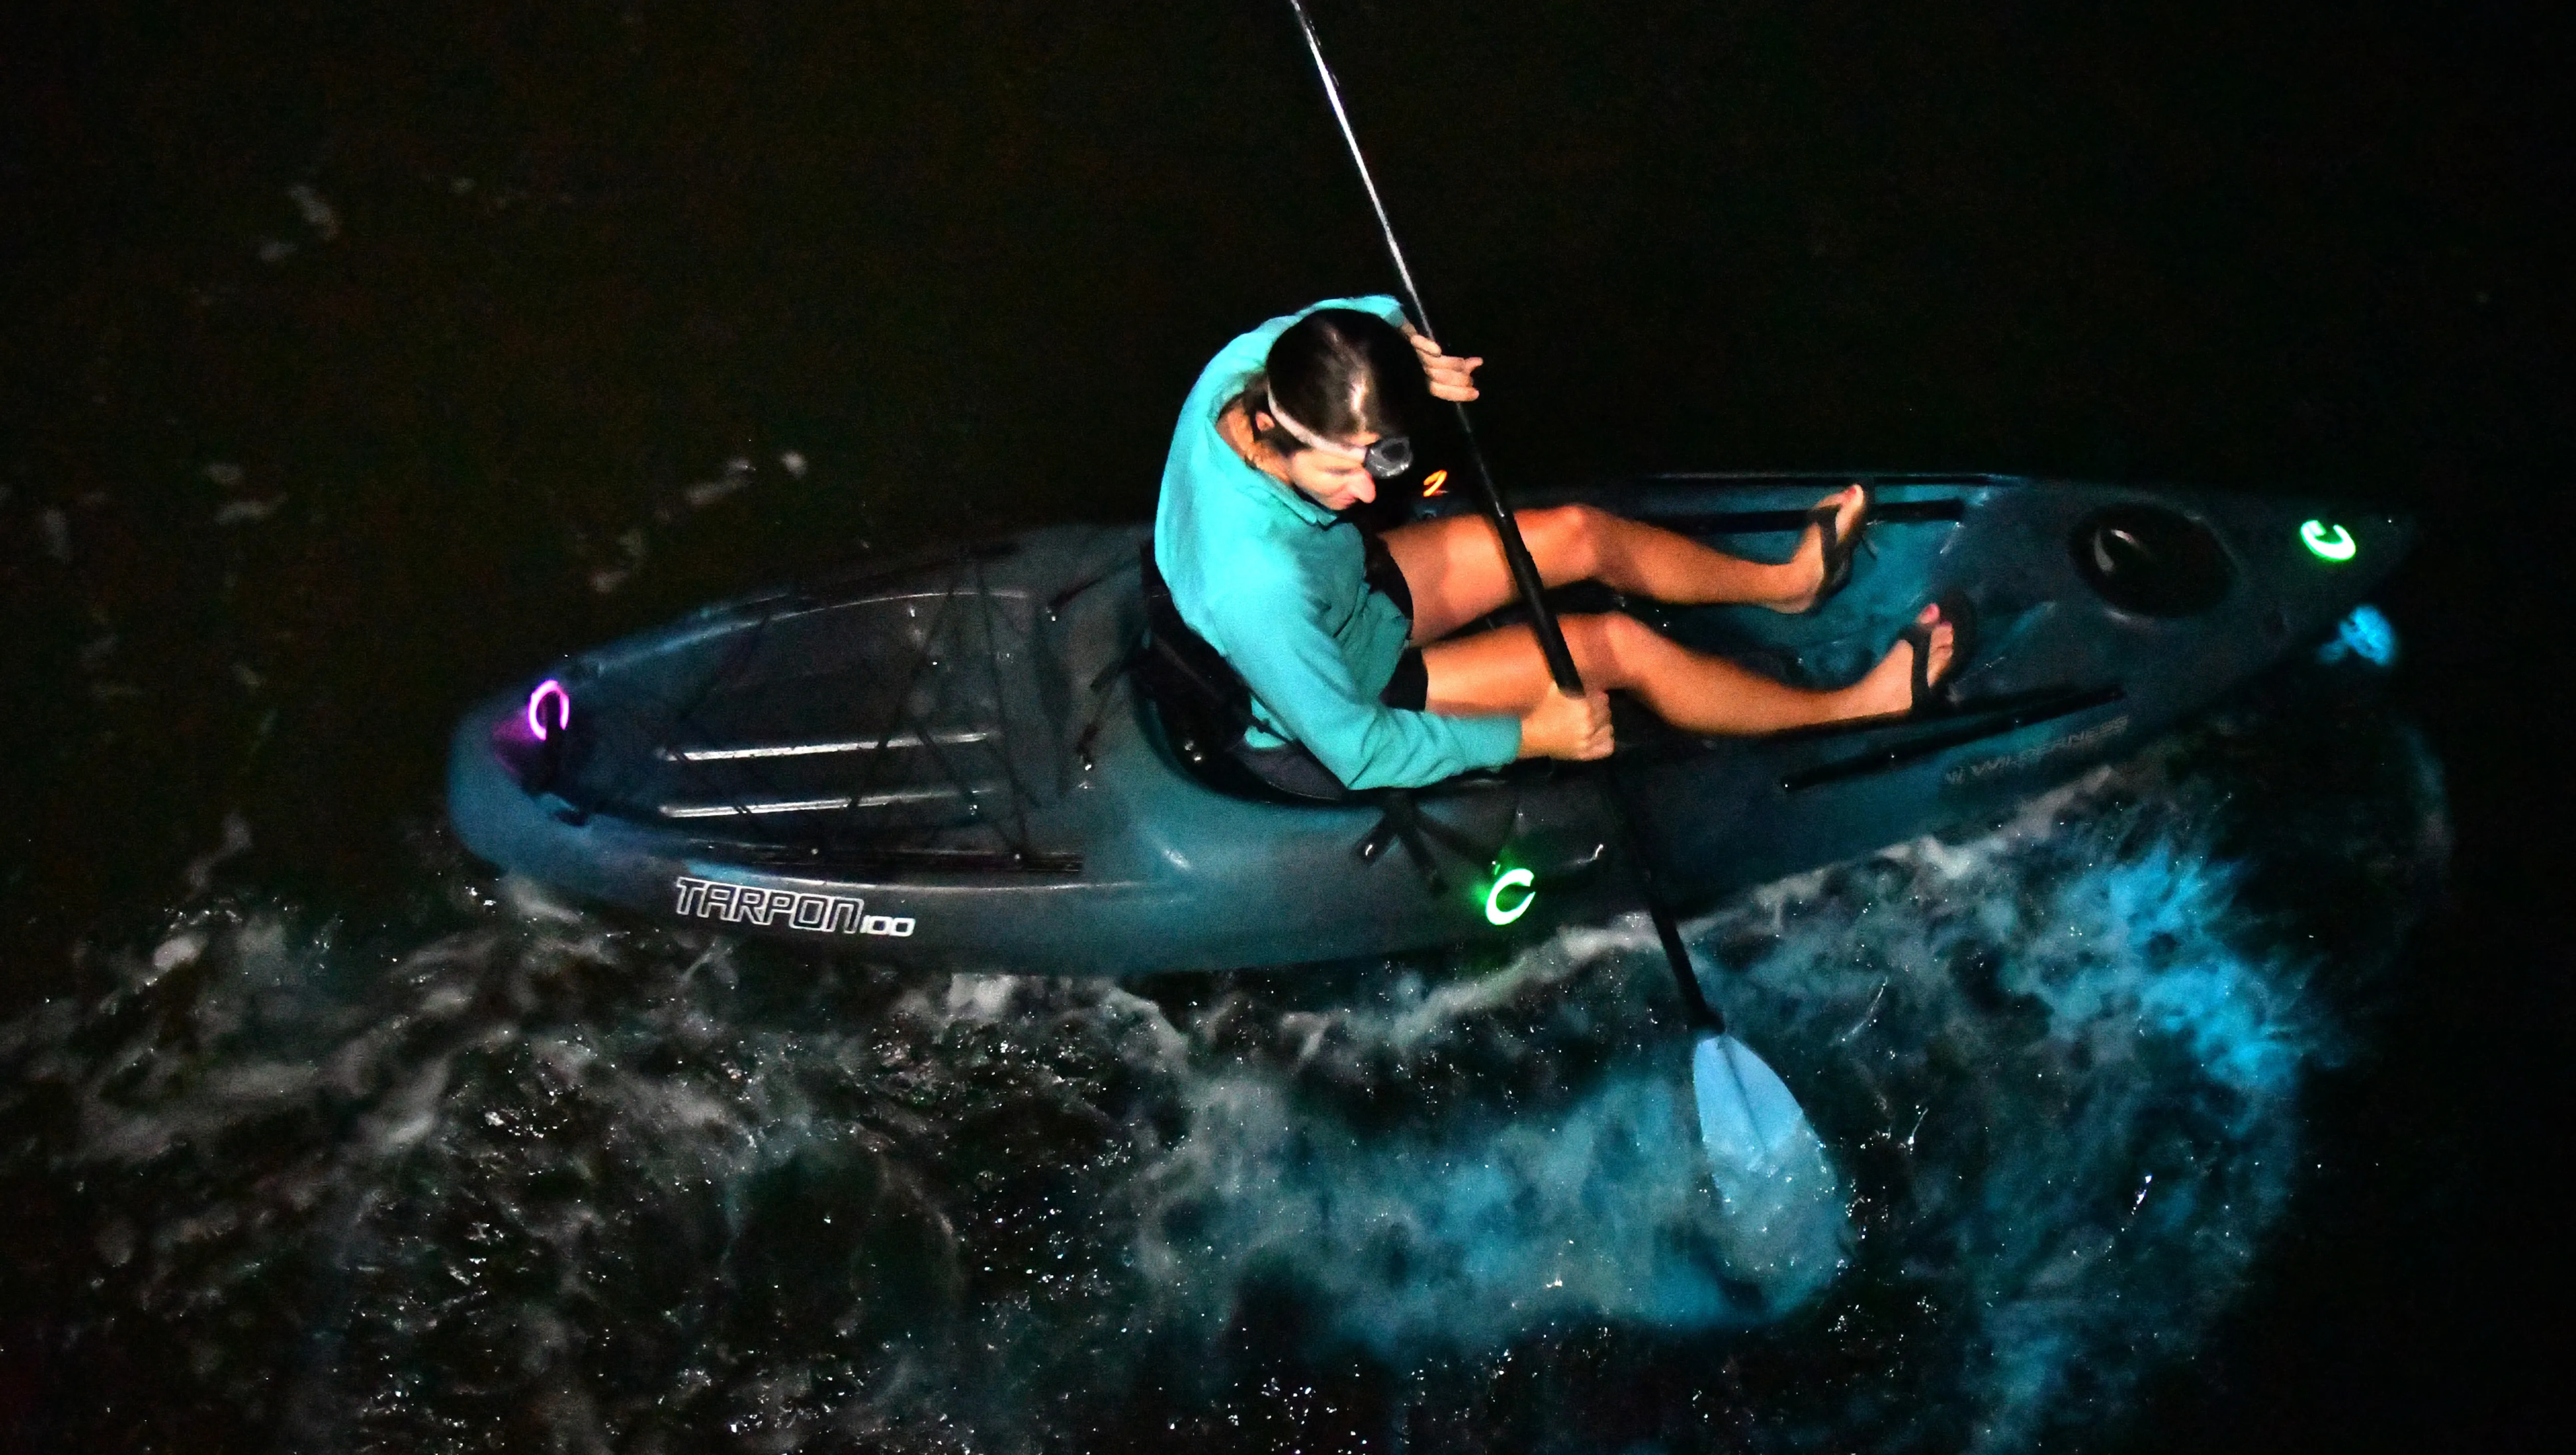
<point x="1577" y="728"/>
<point x="1451" y="378"/>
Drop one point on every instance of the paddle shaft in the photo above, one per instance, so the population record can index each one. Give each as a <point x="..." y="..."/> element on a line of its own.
<point x="1551" y="638"/>
<point x="1533" y="590"/>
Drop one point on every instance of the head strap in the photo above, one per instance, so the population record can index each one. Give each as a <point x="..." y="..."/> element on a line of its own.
<point x="1391" y="456"/>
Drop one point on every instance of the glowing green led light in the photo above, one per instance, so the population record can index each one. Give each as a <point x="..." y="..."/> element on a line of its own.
<point x="1510" y="879"/>
<point x="2330" y="542"/>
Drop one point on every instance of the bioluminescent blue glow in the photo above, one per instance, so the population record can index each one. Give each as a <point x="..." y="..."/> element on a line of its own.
<point x="2329" y="542"/>
<point x="2365" y="633"/>
<point x="553" y="691"/>
<point x="626" y="1189"/>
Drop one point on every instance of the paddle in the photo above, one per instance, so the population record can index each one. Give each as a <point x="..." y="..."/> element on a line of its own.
<point x="1749" y="1123"/>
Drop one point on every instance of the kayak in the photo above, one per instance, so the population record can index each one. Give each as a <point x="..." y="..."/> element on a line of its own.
<point x="965" y="761"/>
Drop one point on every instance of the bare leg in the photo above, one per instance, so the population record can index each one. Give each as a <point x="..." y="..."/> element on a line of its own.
<point x="1504" y="671"/>
<point x="1455" y="569"/>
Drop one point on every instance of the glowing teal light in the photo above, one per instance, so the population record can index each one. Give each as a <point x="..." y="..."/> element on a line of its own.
<point x="1510" y="879"/>
<point x="2330" y="542"/>
<point x="2366" y="634"/>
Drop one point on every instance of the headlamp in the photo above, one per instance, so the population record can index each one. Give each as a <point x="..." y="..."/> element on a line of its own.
<point x="1390" y="457"/>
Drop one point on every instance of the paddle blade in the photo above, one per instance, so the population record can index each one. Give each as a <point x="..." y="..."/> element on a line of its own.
<point x="1787" y="1230"/>
<point x="1750" y="1124"/>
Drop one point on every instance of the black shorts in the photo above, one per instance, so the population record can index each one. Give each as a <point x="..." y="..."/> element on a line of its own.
<point x="1385" y="577"/>
<point x="1410" y="688"/>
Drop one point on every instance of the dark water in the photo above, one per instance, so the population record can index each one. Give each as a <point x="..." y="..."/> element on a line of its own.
<point x="357" y="361"/>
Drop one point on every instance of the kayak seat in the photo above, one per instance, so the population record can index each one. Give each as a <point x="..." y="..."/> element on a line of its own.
<point x="1206" y="707"/>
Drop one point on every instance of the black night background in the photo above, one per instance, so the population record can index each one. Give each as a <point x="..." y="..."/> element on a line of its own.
<point x="356" y="357"/>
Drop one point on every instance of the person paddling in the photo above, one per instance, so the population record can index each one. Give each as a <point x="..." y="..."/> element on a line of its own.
<point x="1344" y="636"/>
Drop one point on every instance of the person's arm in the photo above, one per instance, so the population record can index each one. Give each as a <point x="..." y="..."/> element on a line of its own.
<point x="1273" y="638"/>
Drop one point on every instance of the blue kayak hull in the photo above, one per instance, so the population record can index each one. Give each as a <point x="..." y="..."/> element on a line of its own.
<point x="944" y="764"/>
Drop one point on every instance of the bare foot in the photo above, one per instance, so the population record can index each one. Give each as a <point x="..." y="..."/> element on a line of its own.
<point x="1808" y="566"/>
<point x="1889" y="687"/>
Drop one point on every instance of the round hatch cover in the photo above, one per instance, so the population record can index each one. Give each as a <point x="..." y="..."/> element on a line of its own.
<point x="2152" y="560"/>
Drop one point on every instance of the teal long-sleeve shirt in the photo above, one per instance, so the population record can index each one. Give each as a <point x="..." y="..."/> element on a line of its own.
<point x="1279" y="585"/>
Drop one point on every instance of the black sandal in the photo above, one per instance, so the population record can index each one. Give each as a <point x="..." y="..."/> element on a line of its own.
<point x="1961" y="614"/>
<point x="1839" y="549"/>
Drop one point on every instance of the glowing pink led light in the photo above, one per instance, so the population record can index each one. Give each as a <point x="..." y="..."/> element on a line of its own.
<point x="563" y="711"/>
